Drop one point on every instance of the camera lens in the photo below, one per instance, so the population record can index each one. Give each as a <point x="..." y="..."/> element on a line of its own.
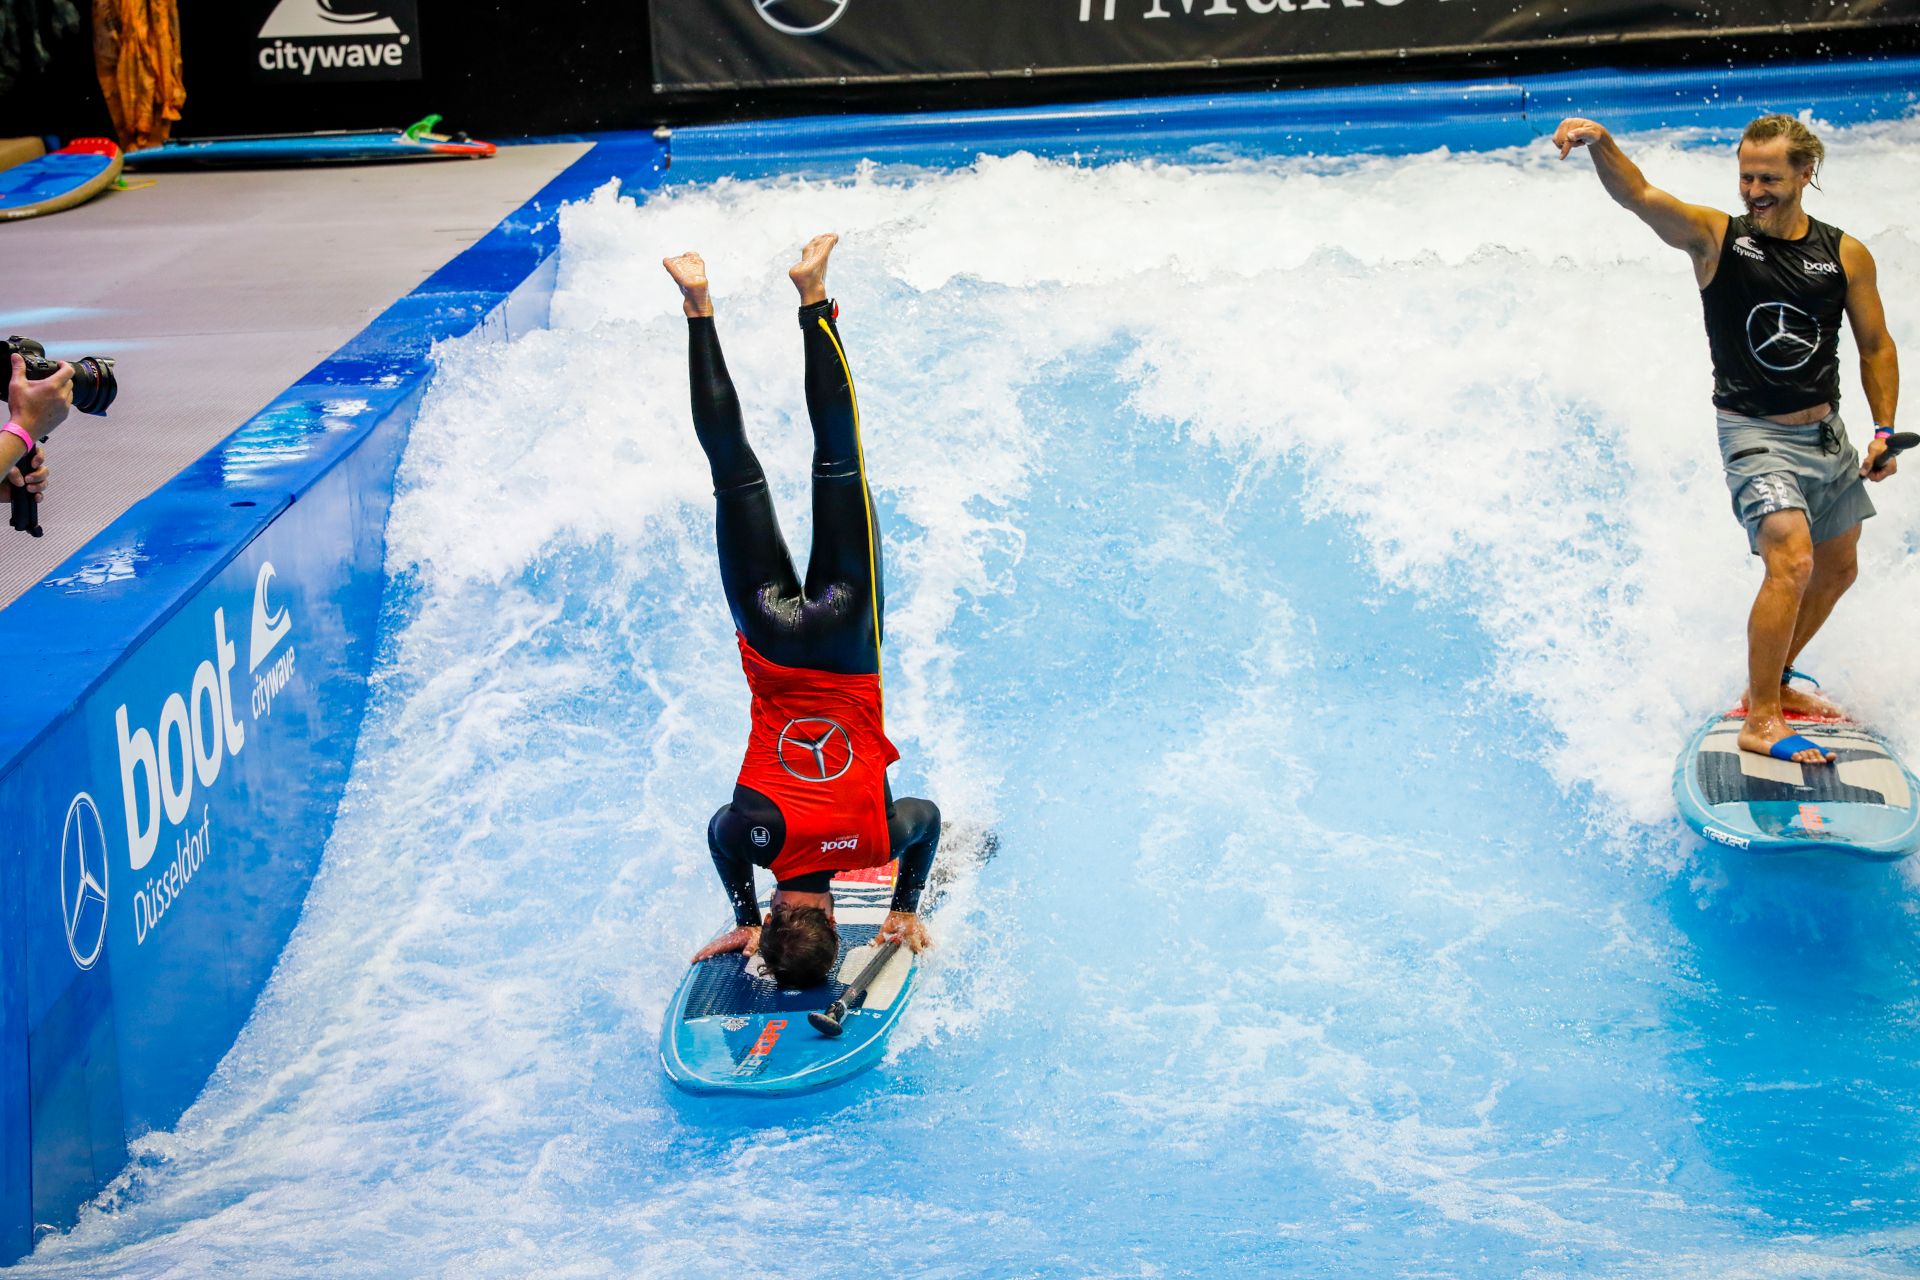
<point x="94" y="386"/>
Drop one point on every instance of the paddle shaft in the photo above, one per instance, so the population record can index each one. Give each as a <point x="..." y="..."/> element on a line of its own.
<point x="855" y="995"/>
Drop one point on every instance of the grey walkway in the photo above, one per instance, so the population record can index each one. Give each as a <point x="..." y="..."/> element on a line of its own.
<point x="215" y="291"/>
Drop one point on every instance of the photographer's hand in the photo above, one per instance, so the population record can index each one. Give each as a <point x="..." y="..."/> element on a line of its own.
<point x="35" y="480"/>
<point x="39" y="405"/>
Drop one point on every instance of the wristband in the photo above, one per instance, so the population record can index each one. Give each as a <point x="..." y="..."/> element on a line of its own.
<point x="1880" y="432"/>
<point x="26" y="438"/>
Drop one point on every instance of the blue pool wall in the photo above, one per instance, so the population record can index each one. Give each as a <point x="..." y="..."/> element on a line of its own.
<point x="229" y="622"/>
<point x="249" y="588"/>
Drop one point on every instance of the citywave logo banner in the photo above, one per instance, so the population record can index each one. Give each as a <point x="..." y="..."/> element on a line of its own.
<point x="339" y="40"/>
<point x="731" y="44"/>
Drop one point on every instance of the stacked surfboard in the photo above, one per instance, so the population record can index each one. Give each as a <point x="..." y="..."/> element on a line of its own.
<point x="416" y="142"/>
<point x="74" y="174"/>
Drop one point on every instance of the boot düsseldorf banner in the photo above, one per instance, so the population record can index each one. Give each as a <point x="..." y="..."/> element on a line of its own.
<point x="724" y="44"/>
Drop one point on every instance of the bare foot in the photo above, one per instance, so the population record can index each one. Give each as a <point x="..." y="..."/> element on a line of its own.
<point x="689" y="271"/>
<point x="1761" y="732"/>
<point x="809" y="275"/>
<point x="1801" y="702"/>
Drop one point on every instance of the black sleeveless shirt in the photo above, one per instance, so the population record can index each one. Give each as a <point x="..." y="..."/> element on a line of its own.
<point x="1773" y="320"/>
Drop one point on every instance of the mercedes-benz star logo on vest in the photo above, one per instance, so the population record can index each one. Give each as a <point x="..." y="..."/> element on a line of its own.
<point x="815" y="749"/>
<point x="801" y="17"/>
<point x="83" y="881"/>
<point x="297" y="18"/>
<point x="1782" y="336"/>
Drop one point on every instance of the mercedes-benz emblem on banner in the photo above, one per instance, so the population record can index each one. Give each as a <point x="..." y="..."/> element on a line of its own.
<point x="83" y="881"/>
<point x="815" y="749"/>
<point x="801" y="17"/>
<point x="1782" y="336"/>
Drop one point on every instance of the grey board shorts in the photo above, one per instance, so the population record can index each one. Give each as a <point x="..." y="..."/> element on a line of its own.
<point x="1774" y="468"/>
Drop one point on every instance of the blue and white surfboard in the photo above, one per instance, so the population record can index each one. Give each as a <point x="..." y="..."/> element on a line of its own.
<point x="1866" y="804"/>
<point x="417" y="142"/>
<point x="730" y="1028"/>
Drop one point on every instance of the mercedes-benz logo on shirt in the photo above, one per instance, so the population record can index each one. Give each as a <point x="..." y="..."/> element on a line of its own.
<point x="83" y="881"/>
<point x="815" y="749"/>
<point x="801" y="17"/>
<point x="1782" y="336"/>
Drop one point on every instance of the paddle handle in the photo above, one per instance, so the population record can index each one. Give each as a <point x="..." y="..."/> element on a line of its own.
<point x="1897" y="443"/>
<point x="25" y="512"/>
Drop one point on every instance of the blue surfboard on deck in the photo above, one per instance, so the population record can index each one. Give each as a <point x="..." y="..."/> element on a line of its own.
<point x="731" y="1029"/>
<point x="60" y="180"/>
<point x="1866" y="804"/>
<point x="417" y="142"/>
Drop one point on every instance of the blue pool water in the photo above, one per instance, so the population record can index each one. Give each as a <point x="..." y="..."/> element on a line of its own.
<point x="1307" y="569"/>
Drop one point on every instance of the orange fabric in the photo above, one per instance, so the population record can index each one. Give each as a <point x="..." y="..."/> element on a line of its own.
<point x="136" y="54"/>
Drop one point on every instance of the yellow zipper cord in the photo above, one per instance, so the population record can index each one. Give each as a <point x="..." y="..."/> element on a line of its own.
<point x="866" y="500"/>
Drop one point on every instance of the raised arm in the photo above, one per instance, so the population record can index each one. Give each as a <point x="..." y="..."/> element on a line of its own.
<point x="1694" y="228"/>
<point x="1879" y="362"/>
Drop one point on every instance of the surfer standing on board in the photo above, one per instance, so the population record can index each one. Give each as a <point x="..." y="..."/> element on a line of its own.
<point x="1774" y="283"/>
<point x="812" y="797"/>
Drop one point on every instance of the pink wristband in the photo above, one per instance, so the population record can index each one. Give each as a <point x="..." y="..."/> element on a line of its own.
<point x="26" y="438"/>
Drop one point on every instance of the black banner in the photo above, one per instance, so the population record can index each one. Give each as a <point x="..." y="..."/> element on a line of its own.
<point x="302" y="41"/>
<point x="725" y="44"/>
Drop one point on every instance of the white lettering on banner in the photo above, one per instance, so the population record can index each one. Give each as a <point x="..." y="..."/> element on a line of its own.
<point x="281" y="56"/>
<point x="156" y="897"/>
<point x="1159" y="9"/>
<point x="163" y="766"/>
<point x="270" y="682"/>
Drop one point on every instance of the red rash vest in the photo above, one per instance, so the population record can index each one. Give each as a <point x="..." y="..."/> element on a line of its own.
<point x="819" y="751"/>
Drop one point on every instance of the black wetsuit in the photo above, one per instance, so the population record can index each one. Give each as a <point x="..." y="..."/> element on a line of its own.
<point x="829" y="623"/>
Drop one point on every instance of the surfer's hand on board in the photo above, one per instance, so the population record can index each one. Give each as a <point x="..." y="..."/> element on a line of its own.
<point x="905" y="927"/>
<point x="1576" y="132"/>
<point x="745" y="940"/>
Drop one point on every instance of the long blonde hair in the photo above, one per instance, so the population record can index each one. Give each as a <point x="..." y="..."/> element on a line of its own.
<point x="1803" y="148"/>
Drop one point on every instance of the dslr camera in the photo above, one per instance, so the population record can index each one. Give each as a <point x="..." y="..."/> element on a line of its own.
<point x="94" y="386"/>
<point x="93" y="390"/>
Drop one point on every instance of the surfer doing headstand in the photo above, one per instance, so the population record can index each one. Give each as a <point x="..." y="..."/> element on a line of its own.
<point x="812" y="797"/>
<point x="1774" y="283"/>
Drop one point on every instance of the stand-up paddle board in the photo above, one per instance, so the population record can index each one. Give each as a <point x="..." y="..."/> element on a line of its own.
<point x="730" y="1028"/>
<point x="74" y="174"/>
<point x="1866" y="804"/>
<point x="418" y="142"/>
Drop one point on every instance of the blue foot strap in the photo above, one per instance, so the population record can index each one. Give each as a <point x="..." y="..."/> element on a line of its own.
<point x="1787" y="746"/>
<point x="1794" y="673"/>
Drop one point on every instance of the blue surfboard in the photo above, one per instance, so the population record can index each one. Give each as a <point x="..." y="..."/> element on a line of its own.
<point x="417" y="142"/>
<point x="730" y="1028"/>
<point x="1866" y="805"/>
<point x="60" y="180"/>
